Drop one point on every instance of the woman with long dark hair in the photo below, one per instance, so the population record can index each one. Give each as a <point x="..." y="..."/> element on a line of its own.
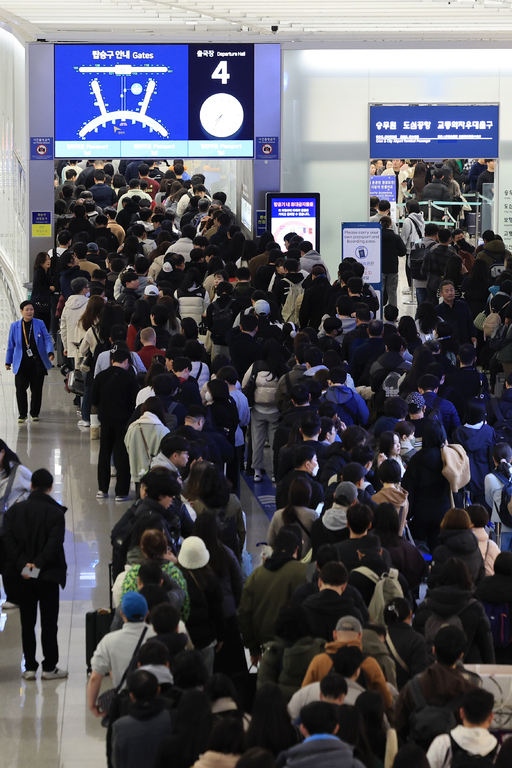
<point x="15" y="485"/>
<point x="130" y="250"/>
<point x="352" y="731"/>
<point x="429" y="490"/>
<point x="205" y="624"/>
<point x="225" y="566"/>
<point x="422" y="358"/>
<point x="261" y="379"/>
<point x="270" y="726"/>
<point x="141" y="318"/>
<point x="426" y="319"/>
<point x="456" y="271"/>
<point x="404" y="555"/>
<point x="207" y="488"/>
<point x="296" y="511"/>
<point x="236" y="247"/>
<point x="475" y="287"/>
<point x="42" y="288"/>
<point x="192" y="296"/>
<point x="88" y="332"/>
<point x="192" y="728"/>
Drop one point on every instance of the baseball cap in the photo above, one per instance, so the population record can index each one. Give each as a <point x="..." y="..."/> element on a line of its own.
<point x="150" y="290"/>
<point x="262" y="307"/>
<point x="167" y="267"/>
<point x="349" y="624"/>
<point x="345" y="493"/>
<point x="416" y="399"/>
<point x="134" y="606"/>
<point x="92" y="247"/>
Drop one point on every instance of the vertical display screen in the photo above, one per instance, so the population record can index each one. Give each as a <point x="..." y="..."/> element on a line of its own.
<point x="294" y="213"/>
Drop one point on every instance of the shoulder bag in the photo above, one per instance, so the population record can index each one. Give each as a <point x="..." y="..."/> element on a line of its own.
<point x="106" y="700"/>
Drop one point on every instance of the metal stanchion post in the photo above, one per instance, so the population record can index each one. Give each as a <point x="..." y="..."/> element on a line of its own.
<point x="497" y="529"/>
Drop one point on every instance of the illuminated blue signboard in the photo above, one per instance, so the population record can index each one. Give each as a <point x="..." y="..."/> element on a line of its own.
<point x="433" y="132"/>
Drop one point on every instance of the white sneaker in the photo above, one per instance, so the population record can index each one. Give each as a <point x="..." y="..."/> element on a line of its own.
<point x="34" y="418"/>
<point x="101" y="495"/>
<point x="83" y="423"/>
<point x="257" y="476"/>
<point x="56" y="674"/>
<point x="28" y="674"/>
<point x="122" y="498"/>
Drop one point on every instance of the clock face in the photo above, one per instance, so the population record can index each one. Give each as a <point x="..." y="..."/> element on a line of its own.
<point x="221" y="115"/>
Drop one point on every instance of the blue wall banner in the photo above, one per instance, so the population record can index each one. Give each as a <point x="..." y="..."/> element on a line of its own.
<point x="433" y="131"/>
<point x="41" y="148"/>
<point x="267" y="148"/>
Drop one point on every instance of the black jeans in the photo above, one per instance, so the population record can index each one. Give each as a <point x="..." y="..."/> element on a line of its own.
<point x="46" y="593"/>
<point x="31" y="374"/>
<point x="112" y="443"/>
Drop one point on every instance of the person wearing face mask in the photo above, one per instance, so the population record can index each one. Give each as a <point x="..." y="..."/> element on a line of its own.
<point x="306" y="467"/>
<point x="30" y="353"/>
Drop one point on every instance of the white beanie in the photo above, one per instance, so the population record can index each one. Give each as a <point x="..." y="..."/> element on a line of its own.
<point x="193" y="553"/>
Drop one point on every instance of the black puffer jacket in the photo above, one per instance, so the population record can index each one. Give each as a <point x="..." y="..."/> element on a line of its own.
<point x="450" y="601"/>
<point x="464" y="546"/>
<point x="497" y="590"/>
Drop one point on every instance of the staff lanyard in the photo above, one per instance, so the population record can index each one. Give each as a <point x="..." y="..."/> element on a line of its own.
<point x="27" y="341"/>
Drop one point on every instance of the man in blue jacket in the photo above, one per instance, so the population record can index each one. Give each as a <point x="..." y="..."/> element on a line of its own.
<point x="30" y="353"/>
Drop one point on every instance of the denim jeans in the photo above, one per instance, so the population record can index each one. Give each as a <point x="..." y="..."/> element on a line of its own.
<point x="421" y="295"/>
<point x="506" y="540"/>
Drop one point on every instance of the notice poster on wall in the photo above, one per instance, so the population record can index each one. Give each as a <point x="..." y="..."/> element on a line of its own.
<point x="299" y="213"/>
<point x="363" y="241"/>
<point x="384" y="187"/>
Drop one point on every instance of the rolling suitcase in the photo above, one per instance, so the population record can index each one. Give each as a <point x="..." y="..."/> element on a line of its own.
<point x="97" y="625"/>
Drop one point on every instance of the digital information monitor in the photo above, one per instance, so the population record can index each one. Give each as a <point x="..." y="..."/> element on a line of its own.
<point x="154" y="101"/>
<point x="287" y="212"/>
<point x="434" y="131"/>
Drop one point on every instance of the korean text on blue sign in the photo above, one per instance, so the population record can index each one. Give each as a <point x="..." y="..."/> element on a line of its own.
<point x="383" y="187"/>
<point x="41" y="147"/>
<point x="287" y="209"/>
<point x="267" y="148"/>
<point x="437" y="131"/>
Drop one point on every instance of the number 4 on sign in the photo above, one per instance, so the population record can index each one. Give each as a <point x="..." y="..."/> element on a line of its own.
<point x="221" y="72"/>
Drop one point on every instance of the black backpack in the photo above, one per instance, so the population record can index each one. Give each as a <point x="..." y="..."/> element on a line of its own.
<point x="228" y="533"/>
<point x="428" y="721"/>
<point x="222" y="319"/>
<point x="503" y="424"/>
<point x="463" y="759"/>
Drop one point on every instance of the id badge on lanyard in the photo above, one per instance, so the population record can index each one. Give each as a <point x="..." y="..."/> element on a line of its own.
<point x="27" y="341"/>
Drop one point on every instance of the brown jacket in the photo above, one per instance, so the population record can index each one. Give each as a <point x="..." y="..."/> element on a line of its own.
<point x="398" y="498"/>
<point x="258" y="261"/>
<point x="439" y="684"/>
<point x="322" y="664"/>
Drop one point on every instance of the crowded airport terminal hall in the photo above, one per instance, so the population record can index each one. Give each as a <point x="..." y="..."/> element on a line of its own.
<point x="256" y="387"/>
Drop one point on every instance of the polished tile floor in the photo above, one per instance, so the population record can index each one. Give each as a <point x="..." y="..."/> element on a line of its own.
<point x="46" y="724"/>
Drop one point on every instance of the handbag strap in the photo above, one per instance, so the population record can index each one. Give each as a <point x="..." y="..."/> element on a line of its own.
<point x="145" y="443"/>
<point x="395" y="653"/>
<point x="8" y="487"/>
<point x="134" y="656"/>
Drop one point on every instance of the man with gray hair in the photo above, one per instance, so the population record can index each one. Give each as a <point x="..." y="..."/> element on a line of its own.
<point x="71" y="314"/>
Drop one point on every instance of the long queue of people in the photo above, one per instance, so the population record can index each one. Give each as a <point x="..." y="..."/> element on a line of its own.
<point x="386" y="471"/>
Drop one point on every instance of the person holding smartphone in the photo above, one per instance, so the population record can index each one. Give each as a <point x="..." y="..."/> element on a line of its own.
<point x="34" y="542"/>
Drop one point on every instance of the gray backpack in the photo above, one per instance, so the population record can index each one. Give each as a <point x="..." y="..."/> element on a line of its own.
<point x="435" y="622"/>
<point x="289" y="311"/>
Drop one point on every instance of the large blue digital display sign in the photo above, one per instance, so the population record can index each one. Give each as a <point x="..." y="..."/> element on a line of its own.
<point x="433" y="132"/>
<point x="154" y="101"/>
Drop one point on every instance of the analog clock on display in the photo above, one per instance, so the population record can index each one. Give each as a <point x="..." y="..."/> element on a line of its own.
<point x="221" y="115"/>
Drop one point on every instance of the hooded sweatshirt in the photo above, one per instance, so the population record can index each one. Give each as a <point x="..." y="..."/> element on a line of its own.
<point x="462" y="545"/>
<point x="323" y="752"/>
<point x="325" y="608"/>
<point x="136" y="737"/>
<point x="478" y="444"/>
<point x="350" y="406"/>
<point x="476" y="741"/>
<point x="397" y="496"/>
<point x="312" y="259"/>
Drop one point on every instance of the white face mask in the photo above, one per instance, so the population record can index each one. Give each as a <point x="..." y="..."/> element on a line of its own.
<point x="87" y="295"/>
<point x="315" y="469"/>
<point x="208" y="397"/>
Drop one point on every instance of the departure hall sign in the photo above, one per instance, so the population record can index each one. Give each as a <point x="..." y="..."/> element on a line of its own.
<point x="434" y="132"/>
<point x="154" y="100"/>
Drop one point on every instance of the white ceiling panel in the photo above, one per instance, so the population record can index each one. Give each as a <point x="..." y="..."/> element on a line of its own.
<point x="296" y="20"/>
